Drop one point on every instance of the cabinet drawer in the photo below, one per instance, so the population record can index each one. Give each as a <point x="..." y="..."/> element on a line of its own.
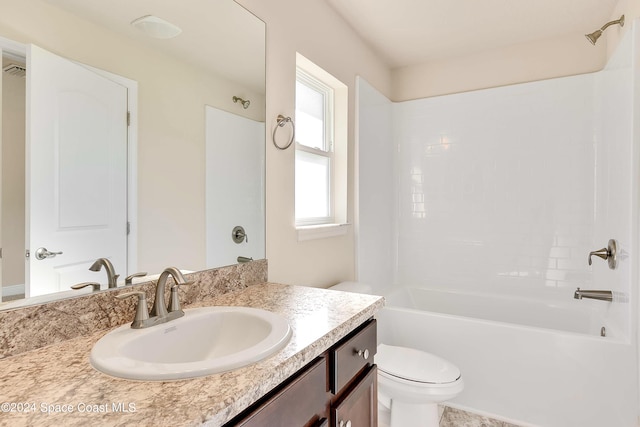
<point x="301" y="402"/>
<point x="359" y="407"/>
<point x="347" y="358"/>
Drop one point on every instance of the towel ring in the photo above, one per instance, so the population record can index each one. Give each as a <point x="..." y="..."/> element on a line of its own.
<point x="280" y="122"/>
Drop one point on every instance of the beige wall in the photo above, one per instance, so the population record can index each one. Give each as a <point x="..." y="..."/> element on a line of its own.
<point x="12" y="203"/>
<point x="312" y="28"/>
<point x="568" y="55"/>
<point x="172" y="96"/>
<point x="544" y="59"/>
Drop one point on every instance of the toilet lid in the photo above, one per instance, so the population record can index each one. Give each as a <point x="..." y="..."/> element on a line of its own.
<point x="415" y="365"/>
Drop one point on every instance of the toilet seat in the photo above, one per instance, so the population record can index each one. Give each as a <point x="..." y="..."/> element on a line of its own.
<point x="417" y="366"/>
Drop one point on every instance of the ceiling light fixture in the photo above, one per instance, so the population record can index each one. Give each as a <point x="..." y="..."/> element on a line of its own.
<point x="156" y="27"/>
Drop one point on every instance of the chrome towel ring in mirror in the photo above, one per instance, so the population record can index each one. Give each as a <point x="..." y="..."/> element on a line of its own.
<point x="280" y="122"/>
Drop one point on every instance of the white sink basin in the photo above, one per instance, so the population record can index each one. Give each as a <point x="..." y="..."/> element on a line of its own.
<point x="205" y="341"/>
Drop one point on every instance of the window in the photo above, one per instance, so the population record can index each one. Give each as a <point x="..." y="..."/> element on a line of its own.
<point x="321" y="152"/>
<point x="314" y="150"/>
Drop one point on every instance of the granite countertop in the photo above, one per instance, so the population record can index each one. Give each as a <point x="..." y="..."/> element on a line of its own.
<point x="56" y="385"/>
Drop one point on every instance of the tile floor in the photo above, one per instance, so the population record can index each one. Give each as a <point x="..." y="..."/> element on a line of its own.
<point x="451" y="417"/>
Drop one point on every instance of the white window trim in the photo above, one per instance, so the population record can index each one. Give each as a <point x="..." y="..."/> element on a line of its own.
<point x="329" y="110"/>
<point x="339" y="139"/>
<point x="328" y="151"/>
<point x="312" y="232"/>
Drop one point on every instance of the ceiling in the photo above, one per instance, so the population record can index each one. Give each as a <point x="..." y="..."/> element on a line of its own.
<point x="410" y="32"/>
<point x="219" y="35"/>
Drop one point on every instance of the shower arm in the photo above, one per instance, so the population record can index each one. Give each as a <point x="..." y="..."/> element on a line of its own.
<point x="610" y="23"/>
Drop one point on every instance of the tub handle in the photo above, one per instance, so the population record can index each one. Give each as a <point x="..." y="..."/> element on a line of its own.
<point x="609" y="254"/>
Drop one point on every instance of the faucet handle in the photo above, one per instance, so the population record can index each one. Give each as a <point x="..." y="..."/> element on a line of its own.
<point x="129" y="279"/>
<point x="602" y="253"/>
<point x="142" y="312"/>
<point x="94" y="285"/>
<point x="609" y="254"/>
<point x="174" y="301"/>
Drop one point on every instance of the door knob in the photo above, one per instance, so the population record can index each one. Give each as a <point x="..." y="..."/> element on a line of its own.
<point x="43" y="253"/>
<point x="609" y="254"/>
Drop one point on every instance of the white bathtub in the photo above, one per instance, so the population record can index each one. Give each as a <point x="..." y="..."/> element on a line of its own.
<point x="531" y="364"/>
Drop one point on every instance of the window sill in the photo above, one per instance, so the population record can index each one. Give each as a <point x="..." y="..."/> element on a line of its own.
<point x="312" y="232"/>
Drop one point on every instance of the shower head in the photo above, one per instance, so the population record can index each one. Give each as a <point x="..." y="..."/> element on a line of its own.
<point x="245" y="104"/>
<point x="593" y="37"/>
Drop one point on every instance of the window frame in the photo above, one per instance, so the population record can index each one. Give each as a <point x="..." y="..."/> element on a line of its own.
<point x="328" y="152"/>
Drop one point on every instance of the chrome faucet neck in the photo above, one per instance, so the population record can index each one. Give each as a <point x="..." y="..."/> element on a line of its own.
<point x="112" y="277"/>
<point x="159" y="307"/>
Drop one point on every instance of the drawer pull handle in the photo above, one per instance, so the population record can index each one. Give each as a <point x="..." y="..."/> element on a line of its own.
<point x="364" y="353"/>
<point x="343" y="424"/>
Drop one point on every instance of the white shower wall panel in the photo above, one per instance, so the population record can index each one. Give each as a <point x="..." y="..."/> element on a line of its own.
<point x="496" y="188"/>
<point x="234" y="189"/>
<point x="614" y="183"/>
<point x="376" y="207"/>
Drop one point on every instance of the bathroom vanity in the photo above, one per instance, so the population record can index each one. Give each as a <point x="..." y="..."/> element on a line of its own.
<point x="323" y="376"/>
<point x="339" y="388"/>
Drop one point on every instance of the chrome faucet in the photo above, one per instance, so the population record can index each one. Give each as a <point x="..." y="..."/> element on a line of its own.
<point x="174" y="309"/>
<point x="112" y="277"/>
<point x="601" y="295"/>
<point x="159" y="313"/>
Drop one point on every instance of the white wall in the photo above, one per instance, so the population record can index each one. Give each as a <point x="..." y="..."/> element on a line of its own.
<point x="235" y="186"/>
<point x="313" y="29"/>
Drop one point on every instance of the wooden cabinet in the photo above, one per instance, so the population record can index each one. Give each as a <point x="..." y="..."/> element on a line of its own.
<point x="285" y="407"/>
<point x="352" y="355"/>
<point x="338" y="389"/>
<point x="359" y="406"/>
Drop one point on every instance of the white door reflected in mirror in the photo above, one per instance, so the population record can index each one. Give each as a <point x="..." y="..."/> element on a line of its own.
<point x="77" y="185"/>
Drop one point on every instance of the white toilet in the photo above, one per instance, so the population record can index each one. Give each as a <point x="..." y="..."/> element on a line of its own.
<point x="411" y="382"/>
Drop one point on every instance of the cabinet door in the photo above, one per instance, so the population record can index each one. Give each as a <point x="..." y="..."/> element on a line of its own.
<point x="358" y="407"/>
<point x="302" y="402"/>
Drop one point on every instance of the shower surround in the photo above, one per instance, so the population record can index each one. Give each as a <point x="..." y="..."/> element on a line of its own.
<point x="501" y="194"/>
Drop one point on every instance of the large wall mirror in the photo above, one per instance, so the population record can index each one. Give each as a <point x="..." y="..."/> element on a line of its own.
<point x="120" y="142"/>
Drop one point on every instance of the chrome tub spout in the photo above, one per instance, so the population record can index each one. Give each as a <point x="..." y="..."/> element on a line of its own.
<point x="601" y="295"/>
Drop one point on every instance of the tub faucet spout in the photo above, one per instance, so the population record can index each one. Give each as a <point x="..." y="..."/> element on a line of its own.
<point x="592" y="294"/>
